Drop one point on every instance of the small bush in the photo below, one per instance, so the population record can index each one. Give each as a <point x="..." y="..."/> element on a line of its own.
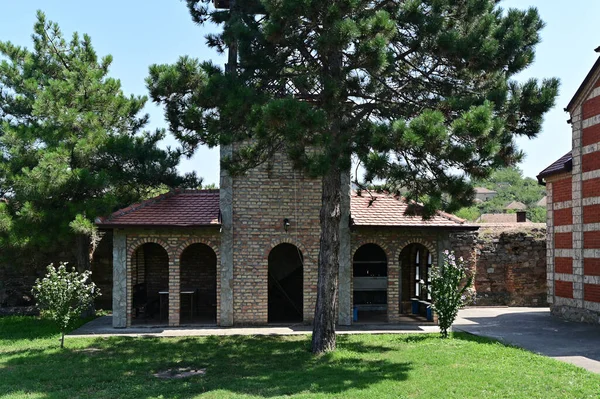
<point x="450" y="289"/>
<point x="62" y="296"/>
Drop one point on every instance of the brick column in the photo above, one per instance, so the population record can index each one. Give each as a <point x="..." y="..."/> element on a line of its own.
<point x="174" y="290"/>
<point x="393" y="288"/>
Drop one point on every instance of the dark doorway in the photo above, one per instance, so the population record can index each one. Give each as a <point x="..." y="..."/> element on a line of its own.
<point x="150" y="285"/>
<point x="198" y="284"/>
<point x="286" y="284"/>
<point x="415" y="268"/>
<point x="369" y="271"/>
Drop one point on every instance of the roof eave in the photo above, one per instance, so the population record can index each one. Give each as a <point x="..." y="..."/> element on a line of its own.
<point x="111" y="226"/>
<point x="586" y="81"/>
<point x="433" y="227"/>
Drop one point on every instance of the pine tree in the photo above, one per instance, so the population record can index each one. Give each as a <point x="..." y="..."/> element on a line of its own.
<point x="72" y="145"/>
<point x="419" y="91"/>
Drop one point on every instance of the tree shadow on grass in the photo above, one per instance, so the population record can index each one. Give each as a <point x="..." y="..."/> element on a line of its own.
<point x="261" y="366"/>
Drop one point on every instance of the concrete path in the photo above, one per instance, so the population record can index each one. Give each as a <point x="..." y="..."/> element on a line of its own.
<point x="102" y="327"/>
<point x="536" y="330"/>
<point x="533" y="329"/>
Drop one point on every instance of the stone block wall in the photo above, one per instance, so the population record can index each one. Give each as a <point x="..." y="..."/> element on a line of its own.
<point x="510" y="266"/>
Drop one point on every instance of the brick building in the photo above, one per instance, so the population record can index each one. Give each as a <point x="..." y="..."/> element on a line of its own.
<point x="247" y="253"/>
<point x="573" y="205"/>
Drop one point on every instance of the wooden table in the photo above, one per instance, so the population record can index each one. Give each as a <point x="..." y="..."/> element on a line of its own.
<point x="164" y="293"/>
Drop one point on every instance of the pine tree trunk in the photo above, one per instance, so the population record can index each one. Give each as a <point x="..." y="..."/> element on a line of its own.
<point x="62" y="339"/>
<point x="82" y="254"/>
<point x="323" y="338"/>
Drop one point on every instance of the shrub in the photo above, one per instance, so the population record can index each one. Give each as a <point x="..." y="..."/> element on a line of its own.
<point x="62" y="296"/>
<point x="450" y="284"/>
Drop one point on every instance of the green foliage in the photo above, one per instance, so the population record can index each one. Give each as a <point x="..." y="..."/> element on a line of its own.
<point x="420" y="91"/>
<point x="470" y="213"/>
<point x="72" y="144"/>
<point x="510" y="185"/>
<point x="450" y="286"/>
<point x="63" y="296"/>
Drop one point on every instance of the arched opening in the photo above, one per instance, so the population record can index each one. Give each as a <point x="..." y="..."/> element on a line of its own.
<point x="198" y="284"/>
<point x="369" y="271"/>
<point x="286" y="283"/>
<point x="150" y="285"/>
<point x="415" y="276"/>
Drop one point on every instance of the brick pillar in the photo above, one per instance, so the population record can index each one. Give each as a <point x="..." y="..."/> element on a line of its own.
<point x="393" y="288"/>
<point x="174" y="291"/>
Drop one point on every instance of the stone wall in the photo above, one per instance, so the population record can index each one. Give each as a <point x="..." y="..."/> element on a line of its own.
<point x="511" y="265"/>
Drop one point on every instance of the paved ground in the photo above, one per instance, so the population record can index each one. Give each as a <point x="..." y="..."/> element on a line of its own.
<point x="533" y="329"/>
<point x="536" y="330"/>
<point x="101" y="327"/>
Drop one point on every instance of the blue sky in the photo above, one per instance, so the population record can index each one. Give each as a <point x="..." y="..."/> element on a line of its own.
<point x="139" y="33"/>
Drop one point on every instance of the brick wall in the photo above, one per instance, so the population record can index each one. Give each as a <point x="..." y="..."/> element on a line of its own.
<point x="262" y="199"/>
<point x="575" y="266"/>
<point x="163" y="262"/>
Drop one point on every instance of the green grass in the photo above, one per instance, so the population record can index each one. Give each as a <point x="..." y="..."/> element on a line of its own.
<point x="365" y="366"/>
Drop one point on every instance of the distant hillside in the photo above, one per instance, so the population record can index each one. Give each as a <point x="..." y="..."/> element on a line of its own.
<point x="510" y="185"/>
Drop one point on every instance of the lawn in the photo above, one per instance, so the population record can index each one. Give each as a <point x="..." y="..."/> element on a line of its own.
<point x="365" y="366"/>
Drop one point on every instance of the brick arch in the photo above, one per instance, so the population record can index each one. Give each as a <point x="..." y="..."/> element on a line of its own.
<point x="134" y="245"/>
<point x="286" y="240"/>
<point x="386" y="249"/>
<point x="196" y="240"/>
<point x="426" y="243"/>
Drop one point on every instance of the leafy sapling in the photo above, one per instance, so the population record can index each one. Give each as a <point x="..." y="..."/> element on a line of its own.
<point x="63" y="295"/>
<point x="450" y="289"/>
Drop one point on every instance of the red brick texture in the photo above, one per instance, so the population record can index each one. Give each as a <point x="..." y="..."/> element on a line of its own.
<point x="563" y="240"/>
<point x="562" y="190"/>
<point x="563" y="265"/>
<point x="591" y="239"/>
<point x="563" y="217"/>
<point x="591" y="187"/>
<point x="563" y="289"/>
<point x="591" y="161"/>
<point x="591" y="214"/>
<point x="591" y="266"/>
<point x="591" y="292"/>
<point x="591" y="135"/>
<point x="591" y="107"/>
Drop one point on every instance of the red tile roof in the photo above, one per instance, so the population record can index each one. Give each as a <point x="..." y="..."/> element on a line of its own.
<point x="188" y="208"/>
<point x="377" y="209"/>
<point x="179" y="208"/>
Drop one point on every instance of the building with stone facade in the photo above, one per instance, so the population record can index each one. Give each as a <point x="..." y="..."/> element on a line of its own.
<point x="247" y="253"/>
<point x="573" y="211"/>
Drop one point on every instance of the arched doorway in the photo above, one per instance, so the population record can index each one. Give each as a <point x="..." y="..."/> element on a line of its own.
<point x="286" y="282"/>
<point x="415" y="275"/>
<point x="369" y="271"/>
<point x="198" y="284"/>
<point x="150" y="285"/>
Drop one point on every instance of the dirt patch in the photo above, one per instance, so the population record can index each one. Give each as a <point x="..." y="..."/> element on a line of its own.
<point x="179" y="373"/>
